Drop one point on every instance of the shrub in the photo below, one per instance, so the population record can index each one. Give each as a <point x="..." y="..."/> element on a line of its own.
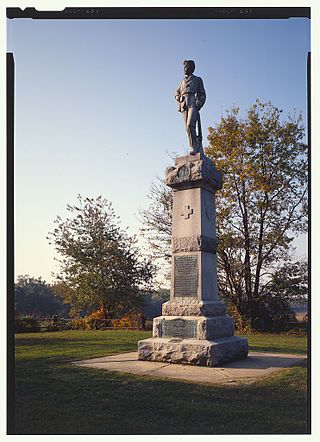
<point x="26" y="324"/>
<point x="130" y="320"/>
<point x="57" y="323"/>
<point x="78" y="324"/>
<point x="97" y="320"/>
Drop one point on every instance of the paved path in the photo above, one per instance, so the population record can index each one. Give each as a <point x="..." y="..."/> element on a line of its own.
<point x="248" y="370"/>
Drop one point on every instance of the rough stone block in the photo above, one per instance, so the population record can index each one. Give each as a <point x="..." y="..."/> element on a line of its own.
<point x="194" y="244"/>
<point x="191" y="351"/>
<point x="192" y="169"/>
<point x="193" y="307"/>
<point x="215" y="327"/>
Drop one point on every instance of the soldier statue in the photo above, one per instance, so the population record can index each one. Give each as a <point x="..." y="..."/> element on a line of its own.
<point x="191" y="96"/>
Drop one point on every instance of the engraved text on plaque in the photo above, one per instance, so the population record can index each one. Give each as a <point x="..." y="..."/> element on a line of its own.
<point x="186" y="275"/>
<point x="178" y="328"/>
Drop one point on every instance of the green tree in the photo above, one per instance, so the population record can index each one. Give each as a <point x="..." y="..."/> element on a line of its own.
<point x="153" y="301"/>
<point x="100" y="263"/>
<point x="33" y="296"/>
<point x="263" y="203"/>
<point x="261" y="207"/>
<point x="287" y="286"/>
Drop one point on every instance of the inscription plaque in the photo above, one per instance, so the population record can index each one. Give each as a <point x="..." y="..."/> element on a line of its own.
<point x="186" y="276"/>
<point x="178" y="328"/>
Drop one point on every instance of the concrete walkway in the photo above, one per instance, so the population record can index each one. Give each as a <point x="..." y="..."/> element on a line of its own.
<point x="256" y="366"/>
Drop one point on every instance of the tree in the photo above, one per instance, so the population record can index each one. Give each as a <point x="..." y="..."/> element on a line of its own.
<point x="33" y="296"/>
<point x="153" y="301"/>
<point x="156" y="227"/>
<point x="287" y="286"/>
<point x="263" y="203"/>
<point x="100" y="265"/>
<point x="260" y="208"/>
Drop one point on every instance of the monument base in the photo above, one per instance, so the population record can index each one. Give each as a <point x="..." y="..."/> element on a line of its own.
<point x="193" y="351"/>
<point x="198" y="327"/>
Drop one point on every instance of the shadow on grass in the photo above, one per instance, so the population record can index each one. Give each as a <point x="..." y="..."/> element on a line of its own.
<point x="80" y="337"/>
<point x="85" y="401"/>
<point x="53" y="397"/>
<point x="287" y="350"/>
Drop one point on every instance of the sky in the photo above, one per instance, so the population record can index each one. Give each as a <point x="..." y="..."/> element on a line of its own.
<point x="95" y="112"/>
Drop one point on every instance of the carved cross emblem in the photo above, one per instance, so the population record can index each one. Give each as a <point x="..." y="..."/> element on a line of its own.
<point x="187" y="211"/>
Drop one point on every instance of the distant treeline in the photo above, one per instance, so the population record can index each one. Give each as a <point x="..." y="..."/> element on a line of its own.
<point x="34" y="297"/>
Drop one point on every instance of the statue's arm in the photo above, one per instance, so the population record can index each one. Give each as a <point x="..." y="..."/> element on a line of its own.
<point x="178" y="94"/>
<point x="201" y="94"/>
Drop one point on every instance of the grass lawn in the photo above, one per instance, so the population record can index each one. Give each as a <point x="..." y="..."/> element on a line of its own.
<point x="54" y="397"/>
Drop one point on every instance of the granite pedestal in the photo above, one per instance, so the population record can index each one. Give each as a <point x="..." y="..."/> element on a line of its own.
<point x="194" y="328"/>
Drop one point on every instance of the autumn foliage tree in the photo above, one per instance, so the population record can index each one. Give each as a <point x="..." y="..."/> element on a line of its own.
<point x="100" y="264"/>
<point x="263" y="203"/>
